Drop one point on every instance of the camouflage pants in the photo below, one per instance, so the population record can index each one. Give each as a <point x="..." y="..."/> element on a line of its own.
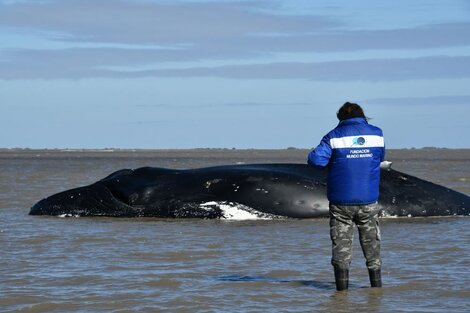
<point x="342" y="220"/>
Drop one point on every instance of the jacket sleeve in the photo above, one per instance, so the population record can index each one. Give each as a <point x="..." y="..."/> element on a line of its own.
<point x="320" y="156"/>
<point x="382" y="156"/>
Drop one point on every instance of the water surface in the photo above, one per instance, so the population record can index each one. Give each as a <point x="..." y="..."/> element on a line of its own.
<point x="50" y="264"/>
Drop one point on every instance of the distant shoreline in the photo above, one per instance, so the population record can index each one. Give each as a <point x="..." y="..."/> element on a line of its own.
<point x="295" y="154"/>
<point x="188" y="149"/>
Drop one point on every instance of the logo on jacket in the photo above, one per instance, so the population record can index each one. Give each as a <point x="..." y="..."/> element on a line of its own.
<point x="359" y="141"/>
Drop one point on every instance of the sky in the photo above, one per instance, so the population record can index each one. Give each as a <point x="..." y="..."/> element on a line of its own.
<point x="164" y="74"/>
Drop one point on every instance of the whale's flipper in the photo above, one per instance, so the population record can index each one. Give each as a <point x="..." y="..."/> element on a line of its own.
<point x="386" y="165"/>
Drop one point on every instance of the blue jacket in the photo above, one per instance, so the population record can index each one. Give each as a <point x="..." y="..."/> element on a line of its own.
<point x="352" y="152"/>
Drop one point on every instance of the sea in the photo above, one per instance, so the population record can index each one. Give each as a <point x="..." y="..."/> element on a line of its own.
<point x="99" y="264"/>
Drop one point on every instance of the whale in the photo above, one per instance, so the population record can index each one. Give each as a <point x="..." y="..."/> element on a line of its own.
<point x="286" y="190"/>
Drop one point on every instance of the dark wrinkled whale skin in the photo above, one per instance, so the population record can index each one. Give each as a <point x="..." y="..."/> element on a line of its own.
<point x="281" y="190"/>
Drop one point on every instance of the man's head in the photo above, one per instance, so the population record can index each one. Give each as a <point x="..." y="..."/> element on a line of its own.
<point x="350" y="110"/>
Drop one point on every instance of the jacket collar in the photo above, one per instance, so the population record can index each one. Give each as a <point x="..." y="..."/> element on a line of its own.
<point x="354" y="120"/>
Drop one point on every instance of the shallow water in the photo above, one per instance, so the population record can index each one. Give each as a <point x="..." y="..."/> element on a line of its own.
<point x="51" y="264"/>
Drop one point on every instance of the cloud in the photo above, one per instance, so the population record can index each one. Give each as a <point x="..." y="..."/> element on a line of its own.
<point x="142" y="35"/>
<point x="46" y="66"/>
<point x="431" y="101"/>
<point x="266" y="104"/>
<point x="215" y="24"/>
<point x="356" y="70"/>
<point x="149" y="22"/>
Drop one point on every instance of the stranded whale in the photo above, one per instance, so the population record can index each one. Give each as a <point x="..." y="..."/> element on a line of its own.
<point x="263" y="190"/>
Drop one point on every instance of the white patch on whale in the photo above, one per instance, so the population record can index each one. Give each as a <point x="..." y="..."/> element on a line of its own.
<point x="68" y="215"/>
<point x="236" y="211"/>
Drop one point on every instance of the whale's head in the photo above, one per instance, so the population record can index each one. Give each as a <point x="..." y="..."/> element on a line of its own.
<point x="94" y="200"/>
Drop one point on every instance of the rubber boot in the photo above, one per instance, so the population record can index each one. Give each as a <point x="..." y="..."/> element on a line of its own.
<point x="375" y="278"/>
<point x="341" y="279"/>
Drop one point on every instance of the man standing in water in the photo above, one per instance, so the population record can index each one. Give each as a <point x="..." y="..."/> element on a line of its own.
<point x="352" y="152"/>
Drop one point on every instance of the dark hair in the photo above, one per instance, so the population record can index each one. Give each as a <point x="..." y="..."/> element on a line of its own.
<point x="350" y="110"/>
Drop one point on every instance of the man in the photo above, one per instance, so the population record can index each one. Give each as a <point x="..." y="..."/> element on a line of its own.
<point x="352" y="152"/>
